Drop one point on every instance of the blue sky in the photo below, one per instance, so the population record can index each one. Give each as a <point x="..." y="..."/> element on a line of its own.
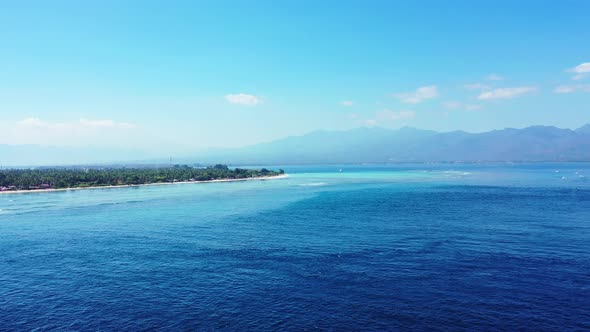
<point x="195" y="74"/>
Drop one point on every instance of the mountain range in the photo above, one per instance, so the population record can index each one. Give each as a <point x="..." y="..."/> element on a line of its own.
<point x="361" y="145"/>
<point x="379" y="145"/>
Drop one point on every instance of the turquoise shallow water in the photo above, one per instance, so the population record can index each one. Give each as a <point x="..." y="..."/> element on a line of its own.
<point x="432" y="247"/>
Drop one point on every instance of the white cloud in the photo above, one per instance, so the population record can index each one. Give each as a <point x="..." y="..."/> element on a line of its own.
<point x="421" y="94"/>
<point x="347" y="103"/>
<point x="581" y="68"/>
<point x="242" y="99"/>
<point x="506" y="93"/>
<point x="455" y="105"/>
<point x="582" y="71"/>
<point x="494" y="77"/>
<point x="572" y="88"/>
<point x="477" y="86"/>
<point x="387" y="115"/>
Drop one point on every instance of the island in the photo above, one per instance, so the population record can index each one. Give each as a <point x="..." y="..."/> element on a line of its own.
<point x="45" y="179"/>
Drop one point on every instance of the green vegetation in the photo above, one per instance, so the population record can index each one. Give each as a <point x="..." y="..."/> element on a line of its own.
<point x="31" y="179"/>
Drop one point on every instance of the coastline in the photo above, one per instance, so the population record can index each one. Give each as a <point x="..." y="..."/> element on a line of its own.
<point x="257" y="178"/>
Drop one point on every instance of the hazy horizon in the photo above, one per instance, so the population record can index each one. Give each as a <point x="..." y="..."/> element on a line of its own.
<point x="359" y="145"/>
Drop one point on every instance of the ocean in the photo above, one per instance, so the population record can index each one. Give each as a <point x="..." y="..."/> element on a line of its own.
<point x="330" y="248"/>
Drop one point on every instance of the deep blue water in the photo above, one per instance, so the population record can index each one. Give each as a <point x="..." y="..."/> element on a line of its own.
<point x="414" y="247"/>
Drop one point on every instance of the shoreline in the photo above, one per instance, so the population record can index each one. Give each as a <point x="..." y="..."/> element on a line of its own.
<point x="257" y="178"/>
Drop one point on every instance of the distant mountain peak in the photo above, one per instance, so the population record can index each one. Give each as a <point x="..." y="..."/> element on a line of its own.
<point x="585" y="129"/>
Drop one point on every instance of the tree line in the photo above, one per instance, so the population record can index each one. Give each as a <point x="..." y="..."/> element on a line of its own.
<point x="30" y="179"/>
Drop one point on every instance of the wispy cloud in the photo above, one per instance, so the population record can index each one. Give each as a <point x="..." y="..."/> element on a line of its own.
<point x="387" y="115"/>
<point x="484" y="86"/>
<point x="506" y="93"/>
<point x="477" y="86"/>
<point x="82" y="124"/>
<point x="33" y="130"/>
<point x="581" y="71"/>
<point x="106" y="124"/>
<point x="242" y="99"/>
<point x="572" y="88"/>
<point x="418" y="96"/>
<point x="494" y="77"/>
<point x="455" y="105"/>
<point x="347" y="103"/>
<point x="369" y="122"/>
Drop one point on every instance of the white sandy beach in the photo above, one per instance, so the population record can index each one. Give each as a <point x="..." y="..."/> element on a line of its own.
<point x="258" y="178"/>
